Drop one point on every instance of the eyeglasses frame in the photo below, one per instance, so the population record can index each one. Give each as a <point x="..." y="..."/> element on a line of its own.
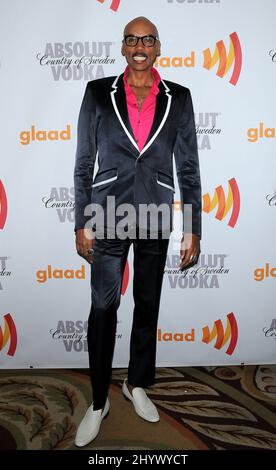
<point x="140" y="37"/>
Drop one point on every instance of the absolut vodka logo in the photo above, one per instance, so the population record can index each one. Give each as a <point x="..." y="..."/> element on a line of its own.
<point x="73" y="335"/>
<point x="206" y="128"/>
<point x="271" y="199"/>
<point x="4" y="272"/>
<point x="62" y="200"/>
<point x="206" y="274"/>
<point x="76" y="60"/>
<point x="270" y="331"/>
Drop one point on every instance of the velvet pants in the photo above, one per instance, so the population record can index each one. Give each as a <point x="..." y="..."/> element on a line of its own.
<point x="107" y="271"/>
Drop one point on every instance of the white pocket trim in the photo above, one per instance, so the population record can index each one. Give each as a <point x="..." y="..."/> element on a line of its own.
<point x="104" y="181"/>
<point x="166" y="185"/>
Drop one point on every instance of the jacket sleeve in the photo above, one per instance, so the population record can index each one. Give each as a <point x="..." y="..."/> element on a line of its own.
<point x="85" y="157"/>
<point x="187" y="166"/>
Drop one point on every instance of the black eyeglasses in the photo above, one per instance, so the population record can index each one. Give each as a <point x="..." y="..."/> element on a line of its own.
<point x="147" y="41"/>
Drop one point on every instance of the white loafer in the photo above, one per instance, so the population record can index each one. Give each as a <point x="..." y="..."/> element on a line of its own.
<point x="90" y="425"/>
<point x="141" y="402"/>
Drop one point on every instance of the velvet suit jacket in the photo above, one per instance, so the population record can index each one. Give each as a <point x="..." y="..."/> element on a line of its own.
<point x="131" y="176"/>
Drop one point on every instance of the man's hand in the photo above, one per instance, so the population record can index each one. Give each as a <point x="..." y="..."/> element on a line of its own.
<point x="84" y="243"/>
<point x="189" y="250"/>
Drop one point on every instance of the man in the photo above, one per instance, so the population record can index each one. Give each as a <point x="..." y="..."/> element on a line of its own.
<point x="134" y="123"/>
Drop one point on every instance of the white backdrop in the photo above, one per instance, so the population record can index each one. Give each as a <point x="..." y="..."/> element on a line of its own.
<point x="220" y="312"/>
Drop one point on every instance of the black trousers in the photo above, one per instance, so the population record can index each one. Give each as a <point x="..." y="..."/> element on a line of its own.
<point x="106" y="281"/>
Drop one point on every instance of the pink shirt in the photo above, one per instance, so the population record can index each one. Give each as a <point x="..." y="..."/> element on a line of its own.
<point x="141" y="122"/>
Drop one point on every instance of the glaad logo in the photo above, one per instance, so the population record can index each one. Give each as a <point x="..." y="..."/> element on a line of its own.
<point x="203" y="129"/>
<point x="63" y="201"/>
<point x="219" y="55"/>
<point x="73" y="334"/>
<point x="205" y="274"/>
<point x="114" y="4"/>
<point x="43" y="276"/>
<point x="224" y="205"/>
<point x="225" y="61"/>
<point x="3" y="266"/>
<point x="187" y="61"/>
<point x="76" y="60"/>
<point x="254" y="134"/>
<point x="9" y="334"/>
<point x="3" y="206"/>
<point x="175" y="337"/>
<point x="30" y="136"/>
<point x="271" y="331"/>
<point x="261" y="273"/>
<point x="222" y="336"/>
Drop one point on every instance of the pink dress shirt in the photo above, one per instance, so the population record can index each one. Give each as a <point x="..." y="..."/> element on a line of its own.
<point x="141" y="122"/>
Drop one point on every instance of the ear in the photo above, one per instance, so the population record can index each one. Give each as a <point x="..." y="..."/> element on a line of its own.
<point x="158" y="52"/>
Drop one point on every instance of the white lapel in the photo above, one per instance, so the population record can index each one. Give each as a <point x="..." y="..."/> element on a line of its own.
<point x="163" y="120"/>
<point x="169" y="99"/>
<point x="114" y="85"/>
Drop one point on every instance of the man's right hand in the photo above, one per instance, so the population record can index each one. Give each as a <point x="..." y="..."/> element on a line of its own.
<point x="84" y="242"/>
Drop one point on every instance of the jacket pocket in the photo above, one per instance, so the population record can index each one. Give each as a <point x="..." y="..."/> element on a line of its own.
<point x="105" y="177"/>
<point x="165" y="180"/>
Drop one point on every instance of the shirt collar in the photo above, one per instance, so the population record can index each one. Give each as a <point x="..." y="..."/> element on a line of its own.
<point x="154" y="89"/>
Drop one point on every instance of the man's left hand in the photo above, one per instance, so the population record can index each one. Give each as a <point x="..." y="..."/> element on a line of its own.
<point x="189" y="250"/>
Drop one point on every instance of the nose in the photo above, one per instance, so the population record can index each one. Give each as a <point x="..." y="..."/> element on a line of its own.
<point x="140" y="46"/>
<point x="140" y="39"/>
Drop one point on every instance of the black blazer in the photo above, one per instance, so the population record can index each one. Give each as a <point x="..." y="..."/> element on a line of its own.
<point x="132" y="176"/>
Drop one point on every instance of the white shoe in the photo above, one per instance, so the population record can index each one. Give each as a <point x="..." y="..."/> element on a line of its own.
<point x="141" y="402"/>
<point x="90" y="425"/>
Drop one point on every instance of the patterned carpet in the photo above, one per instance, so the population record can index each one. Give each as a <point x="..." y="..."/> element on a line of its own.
<point x="200" y="408"/>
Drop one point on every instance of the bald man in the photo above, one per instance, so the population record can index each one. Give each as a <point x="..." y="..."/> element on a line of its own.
<point x="135" y="123"/>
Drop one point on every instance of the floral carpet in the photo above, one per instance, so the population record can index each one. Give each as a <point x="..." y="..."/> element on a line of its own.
<point x="231" y="408"/>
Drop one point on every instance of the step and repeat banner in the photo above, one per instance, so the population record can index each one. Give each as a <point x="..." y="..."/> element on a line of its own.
<point x="221" y="311"/>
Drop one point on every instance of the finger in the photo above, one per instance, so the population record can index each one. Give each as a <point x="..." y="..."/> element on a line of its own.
<point x="185" y="260"/>
<point x="83" y="248"/>
<point x="89" y="253"/>
<point x="188" y="259"/>
<point x="182" y="253"/>
<point x="89" y="259"/>
<point x="89" y="256"/>
<point x="83" y="253"/>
